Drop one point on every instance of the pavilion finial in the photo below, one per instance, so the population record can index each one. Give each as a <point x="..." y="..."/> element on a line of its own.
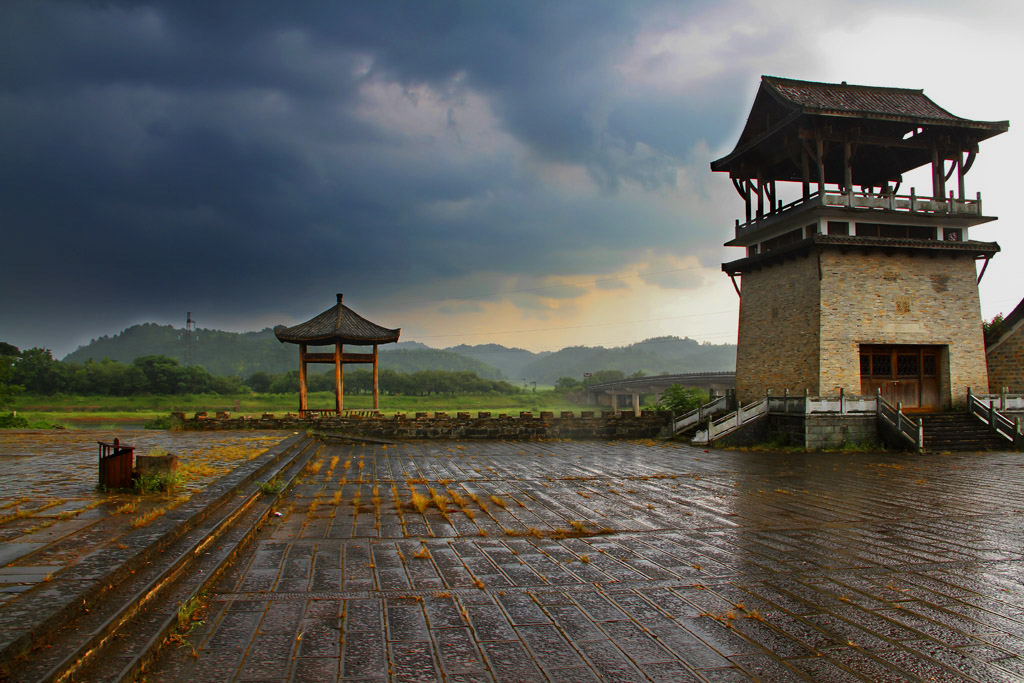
<point x="339" y="297"/>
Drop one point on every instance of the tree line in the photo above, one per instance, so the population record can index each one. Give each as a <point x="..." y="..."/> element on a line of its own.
<point x="35" y="371"/>
<point x="420" y="383"/>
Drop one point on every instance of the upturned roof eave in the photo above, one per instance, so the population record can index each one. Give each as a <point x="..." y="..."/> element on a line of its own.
<point x="337" y="325"/>
<point x="769" y="86"/>
<point x="325" y="340"/>
<point x="742" y="265"/>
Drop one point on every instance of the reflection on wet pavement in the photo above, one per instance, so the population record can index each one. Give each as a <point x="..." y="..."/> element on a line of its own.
<point x="625" y="561"/>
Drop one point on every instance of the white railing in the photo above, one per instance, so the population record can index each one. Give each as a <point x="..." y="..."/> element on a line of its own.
<point x="732" y="422"/>
<point x="1002" y="402"/>
<point x="805" y="405"/>
<point x="985" y="410"/>
<point x="904" y="427"/>
<point x="694" y="416"/>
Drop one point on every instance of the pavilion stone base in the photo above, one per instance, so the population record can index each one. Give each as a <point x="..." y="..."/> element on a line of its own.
<point x="522" y="427"/>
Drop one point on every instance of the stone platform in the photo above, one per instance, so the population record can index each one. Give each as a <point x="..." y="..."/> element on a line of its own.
<point x="624" y="561"/>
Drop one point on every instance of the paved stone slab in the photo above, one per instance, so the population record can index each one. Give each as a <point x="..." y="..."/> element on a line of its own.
<point x="583" y="561"/>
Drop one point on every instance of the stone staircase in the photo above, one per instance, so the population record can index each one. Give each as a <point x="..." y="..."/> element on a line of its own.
<point x="960" y="432"/>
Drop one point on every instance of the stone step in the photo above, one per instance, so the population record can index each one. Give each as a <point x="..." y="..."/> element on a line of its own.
<point x="959" y="432"/>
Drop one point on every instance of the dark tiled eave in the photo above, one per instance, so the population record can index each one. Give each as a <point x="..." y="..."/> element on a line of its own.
<point x="806" y="100"/>
<point x="339" y="324"/>
<point x="844" y="242"/>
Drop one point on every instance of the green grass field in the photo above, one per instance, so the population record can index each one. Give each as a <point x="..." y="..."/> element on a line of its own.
<point x="83" y="411"/>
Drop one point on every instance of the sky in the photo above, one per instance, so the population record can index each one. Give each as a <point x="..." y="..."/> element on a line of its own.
<point x="533" y="174"/>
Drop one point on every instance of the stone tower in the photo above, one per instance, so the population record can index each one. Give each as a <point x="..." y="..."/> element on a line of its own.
<point x="858" y="283"/>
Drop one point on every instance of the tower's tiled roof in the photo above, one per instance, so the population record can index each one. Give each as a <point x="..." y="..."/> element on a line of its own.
<point x="865" y="100"/>
<point x="894" y="130"/>
<point x="339" y="324"/>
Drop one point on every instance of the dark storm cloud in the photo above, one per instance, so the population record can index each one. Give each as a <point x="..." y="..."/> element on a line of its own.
<point x="159" y="154"/>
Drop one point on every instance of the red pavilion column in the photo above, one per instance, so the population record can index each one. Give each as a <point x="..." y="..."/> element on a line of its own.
<point x="376" y="402"/>
<point x="339" y="378"/>
<point x="302" y="378"/>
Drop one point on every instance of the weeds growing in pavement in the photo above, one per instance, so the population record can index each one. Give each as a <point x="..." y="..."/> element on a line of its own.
<point x="272" y="487"/>
<point x="153" y="482"/>
<point x="419" y="502"/>
<point x="190" y="616"/>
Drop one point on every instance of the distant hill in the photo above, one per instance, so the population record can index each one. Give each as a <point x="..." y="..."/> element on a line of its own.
<point x="659" y="355"/>
<point x="414" y="360"/>
<point x="510" y="361"/>
<point x="221" y="353"/>
<point x="243" y="353"/>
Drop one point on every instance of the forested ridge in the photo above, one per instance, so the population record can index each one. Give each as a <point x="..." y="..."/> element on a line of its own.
<point x="36" y="372"/>
<point x="245" y="353"/>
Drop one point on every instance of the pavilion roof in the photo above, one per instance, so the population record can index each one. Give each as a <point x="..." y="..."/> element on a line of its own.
<point x="897" y="125"/>
<point x="339" y="324"/>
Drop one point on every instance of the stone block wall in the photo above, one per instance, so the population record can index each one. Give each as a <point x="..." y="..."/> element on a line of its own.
<point x="901" y="298"/>
<point x="817" y="431"/>
<point x="803" y="321"/>
<point x="524" y="426"/>
<point x="833" y="431"/>
<point x="777" y="346"/>
<point x="1006" y="362"/>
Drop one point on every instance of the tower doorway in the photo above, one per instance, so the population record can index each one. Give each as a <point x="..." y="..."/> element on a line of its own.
<point x="904" y="374"/>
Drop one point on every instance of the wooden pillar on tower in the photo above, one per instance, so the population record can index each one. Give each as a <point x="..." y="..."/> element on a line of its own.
<point x="805" y="168"/>
<point x="819" y="150"/>
<point x="302" y="378"/>
<point x="746" y="197"/>
<point x="339" y="381"/>
<point x="960" y="175"/>
<point x="938" y="174"/>
<point x="848" y="167"/>
<point x="376" y="393"/>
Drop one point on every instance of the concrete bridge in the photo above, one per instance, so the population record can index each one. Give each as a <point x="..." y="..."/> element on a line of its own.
<point x="607" y="393"/>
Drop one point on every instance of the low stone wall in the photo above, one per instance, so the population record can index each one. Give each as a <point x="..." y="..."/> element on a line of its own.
<point x="817" y="431"/>
<point x="483" y="425"/>
<point x="832" y="431"/>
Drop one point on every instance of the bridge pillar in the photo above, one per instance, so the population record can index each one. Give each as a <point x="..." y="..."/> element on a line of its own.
<point x="636" y="404"/>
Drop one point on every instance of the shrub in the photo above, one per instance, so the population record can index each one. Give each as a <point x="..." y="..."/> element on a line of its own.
<point x="680" y="399"/>
<point x="12" y="421"/>
<point x="159" y="422"/>
<point x="152" y="482"/>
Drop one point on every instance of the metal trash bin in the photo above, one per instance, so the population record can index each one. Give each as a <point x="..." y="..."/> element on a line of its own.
<point x="115" y="464"/>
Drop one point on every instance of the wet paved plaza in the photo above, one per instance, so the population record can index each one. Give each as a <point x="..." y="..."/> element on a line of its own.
<point x="624" y="562"/>
<point x="51" y="513"/>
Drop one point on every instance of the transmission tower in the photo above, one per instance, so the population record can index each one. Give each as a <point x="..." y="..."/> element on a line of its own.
<point x="190" y="325"/>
